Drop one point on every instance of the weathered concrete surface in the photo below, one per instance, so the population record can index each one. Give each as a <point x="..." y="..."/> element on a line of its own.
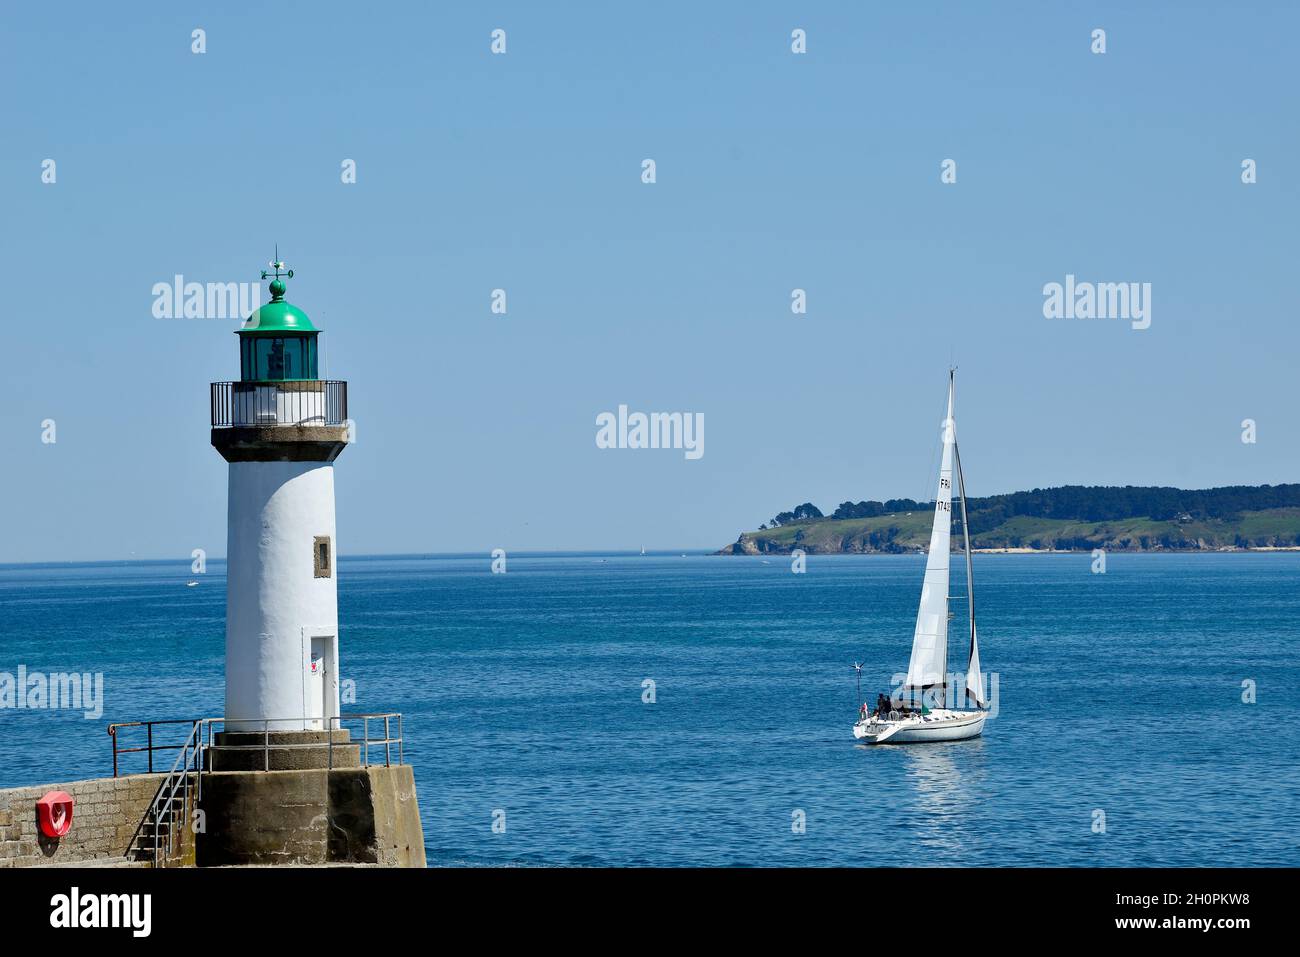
<point x="105" y="815"/>
<point x="280" y="443"/>
<point x="378" y="816"/>
<point x="311" y="817"/>
<point x="248" y="751"/>
<point x="399" y="835"/>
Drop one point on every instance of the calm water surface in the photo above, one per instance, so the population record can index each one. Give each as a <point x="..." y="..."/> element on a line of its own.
<point x="1119" y="693"/>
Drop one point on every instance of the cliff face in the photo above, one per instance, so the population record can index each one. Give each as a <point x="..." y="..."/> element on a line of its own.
<point x="910" y="532"/>
<point x="741" y="546"/>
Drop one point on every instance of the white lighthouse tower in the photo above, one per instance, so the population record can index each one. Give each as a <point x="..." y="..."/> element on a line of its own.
<point x="288" y="785"/>
<point x="280" y="428"/>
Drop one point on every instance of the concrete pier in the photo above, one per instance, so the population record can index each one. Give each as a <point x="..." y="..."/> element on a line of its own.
<point x="302" y="817"/>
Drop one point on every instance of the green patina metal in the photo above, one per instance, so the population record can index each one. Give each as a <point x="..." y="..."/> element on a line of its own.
<point x="275" y="319"/>
<point x="277" y="342"/>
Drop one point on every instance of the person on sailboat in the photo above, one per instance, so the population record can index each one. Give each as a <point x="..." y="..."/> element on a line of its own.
<point x="882" y="705"/>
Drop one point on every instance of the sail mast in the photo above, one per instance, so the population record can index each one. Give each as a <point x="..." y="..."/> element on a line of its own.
<point x="974" y="680"/>
<point x="965" y="532"/>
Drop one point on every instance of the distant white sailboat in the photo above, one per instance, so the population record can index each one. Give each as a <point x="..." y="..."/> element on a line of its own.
<point x="927" y="672"/>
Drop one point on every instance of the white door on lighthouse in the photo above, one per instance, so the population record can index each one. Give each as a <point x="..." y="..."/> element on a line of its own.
<point x="317" y="681"/>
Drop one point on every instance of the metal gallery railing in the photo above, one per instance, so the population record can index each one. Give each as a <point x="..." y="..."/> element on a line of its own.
<point x="290" y="403"/>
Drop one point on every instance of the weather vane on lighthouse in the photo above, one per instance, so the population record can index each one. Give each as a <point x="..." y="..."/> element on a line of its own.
<point x="277" y="286"/>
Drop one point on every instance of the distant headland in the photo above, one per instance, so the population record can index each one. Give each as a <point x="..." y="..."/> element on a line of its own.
<point x="1069" y="518"/>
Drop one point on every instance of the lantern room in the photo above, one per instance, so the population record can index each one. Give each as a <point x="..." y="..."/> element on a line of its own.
<point x="277" y="343"/>
<point x="279" y="383"/>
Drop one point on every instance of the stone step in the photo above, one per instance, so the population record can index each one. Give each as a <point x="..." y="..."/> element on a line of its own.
<point x="287" y="751"/>
<point x="245" y="738"/>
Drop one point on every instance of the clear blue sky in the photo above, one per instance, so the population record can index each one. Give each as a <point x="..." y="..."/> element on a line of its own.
<point x="522" y="171"/>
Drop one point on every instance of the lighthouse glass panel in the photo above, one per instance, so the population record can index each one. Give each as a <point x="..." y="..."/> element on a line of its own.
<point x="276" y="358"/>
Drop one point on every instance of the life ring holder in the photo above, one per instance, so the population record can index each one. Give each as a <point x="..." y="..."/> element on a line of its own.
<point x="54" y="813"/>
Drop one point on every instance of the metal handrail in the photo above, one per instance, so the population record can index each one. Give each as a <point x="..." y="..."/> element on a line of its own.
<point x="149" y="747"/>
<point x="206" y="725"/>
<point x="294" y="402"/>
<point x="335" y="723"/>
<point x="162" y="810"/>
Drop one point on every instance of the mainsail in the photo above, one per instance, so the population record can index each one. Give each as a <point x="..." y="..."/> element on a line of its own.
<point x="930" y="640"/>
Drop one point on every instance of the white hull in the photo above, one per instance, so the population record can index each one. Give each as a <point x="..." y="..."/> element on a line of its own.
<point x="936" y="726"/>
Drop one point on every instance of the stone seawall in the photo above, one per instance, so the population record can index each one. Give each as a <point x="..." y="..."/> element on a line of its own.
<point x="296" y="817"/>
<point x="105" y="814"/>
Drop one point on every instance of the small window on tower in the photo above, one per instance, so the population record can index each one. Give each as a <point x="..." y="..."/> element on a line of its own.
<point x="323" y="559"/>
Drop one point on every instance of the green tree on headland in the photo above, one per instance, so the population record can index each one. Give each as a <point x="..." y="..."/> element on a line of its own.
<point x="1096" y="504"/>
<point x="801" y="513"/>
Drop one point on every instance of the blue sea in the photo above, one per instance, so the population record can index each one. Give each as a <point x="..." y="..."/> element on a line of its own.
<point x="1121" y="736"/>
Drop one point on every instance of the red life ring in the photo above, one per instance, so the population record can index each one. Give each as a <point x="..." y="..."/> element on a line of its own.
<point x="54" y="812"/>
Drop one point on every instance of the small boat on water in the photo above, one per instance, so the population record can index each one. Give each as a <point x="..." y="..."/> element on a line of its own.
<point x="190" y="584"/>
<point x="894" y="720"/>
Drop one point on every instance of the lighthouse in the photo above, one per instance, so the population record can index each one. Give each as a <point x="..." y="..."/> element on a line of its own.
<point x="280" y="427"/>
<point x="285" y="782"/>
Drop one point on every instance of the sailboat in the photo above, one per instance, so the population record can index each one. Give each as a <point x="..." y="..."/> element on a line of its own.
<point x="927" y="672"/>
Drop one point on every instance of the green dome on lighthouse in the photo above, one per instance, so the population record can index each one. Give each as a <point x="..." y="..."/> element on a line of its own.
<point x="278" y="341"/>
<point x="276" y="318"/>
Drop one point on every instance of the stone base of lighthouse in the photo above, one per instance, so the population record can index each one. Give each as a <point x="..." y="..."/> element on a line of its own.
<point x="283" y="751"/>
<point x="315" y="817"/>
